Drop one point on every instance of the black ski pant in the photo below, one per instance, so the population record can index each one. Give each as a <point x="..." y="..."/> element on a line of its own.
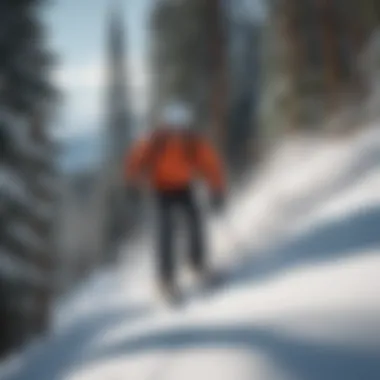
<point x="169" y="203"/>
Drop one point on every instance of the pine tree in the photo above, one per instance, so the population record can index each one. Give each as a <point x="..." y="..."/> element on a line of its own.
<point x="27" y="172"/>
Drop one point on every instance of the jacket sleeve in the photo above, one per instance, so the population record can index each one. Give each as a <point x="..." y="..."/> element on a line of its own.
<point x="210" y="166"/>
<point x="134" y="162"/>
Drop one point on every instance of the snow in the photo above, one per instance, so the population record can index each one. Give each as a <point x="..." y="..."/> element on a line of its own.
<point x="14" y="269"/>
<point x="25" y="234"/>
<point x="301" y="240"/>
<point x="12" y="189"/>
<point x="8" y="267"/>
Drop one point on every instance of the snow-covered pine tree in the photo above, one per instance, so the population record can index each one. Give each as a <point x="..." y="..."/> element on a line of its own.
<point x="27" y="175"/>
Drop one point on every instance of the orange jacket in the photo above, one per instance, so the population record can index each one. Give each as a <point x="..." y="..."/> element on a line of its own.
<point x="171" y="167"/>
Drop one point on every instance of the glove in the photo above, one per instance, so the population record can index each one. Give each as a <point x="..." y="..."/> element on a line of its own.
<point x="217" y="202"/>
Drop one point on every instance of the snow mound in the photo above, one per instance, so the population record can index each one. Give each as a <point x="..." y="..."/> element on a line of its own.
<point x="301" y="244"/>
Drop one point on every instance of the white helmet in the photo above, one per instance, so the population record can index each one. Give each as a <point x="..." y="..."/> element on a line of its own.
<point x="177" y="115"/>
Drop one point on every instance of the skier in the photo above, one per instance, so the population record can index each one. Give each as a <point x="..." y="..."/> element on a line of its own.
<point x="171" y="159"/>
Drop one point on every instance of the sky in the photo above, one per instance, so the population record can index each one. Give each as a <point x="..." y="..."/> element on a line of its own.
<point x="78" y="33"/>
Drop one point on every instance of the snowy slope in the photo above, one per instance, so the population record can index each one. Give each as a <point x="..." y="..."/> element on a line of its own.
<point x="302" y="242"/>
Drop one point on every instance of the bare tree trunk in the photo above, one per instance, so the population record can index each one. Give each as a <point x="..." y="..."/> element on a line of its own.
<point x="330" y="49"/>
<point x="297" y="59"/>
<point x="218" y="118"/>
<point x="293" y="57"/>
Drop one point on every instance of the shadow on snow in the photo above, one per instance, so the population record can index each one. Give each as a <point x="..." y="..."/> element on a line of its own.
<point x="61" y="353"/>
<point x="332" y="240"/>
<point x="304" y="360"/>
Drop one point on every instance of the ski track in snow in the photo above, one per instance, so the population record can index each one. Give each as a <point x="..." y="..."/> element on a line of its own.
<point x="301" y="300"/>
